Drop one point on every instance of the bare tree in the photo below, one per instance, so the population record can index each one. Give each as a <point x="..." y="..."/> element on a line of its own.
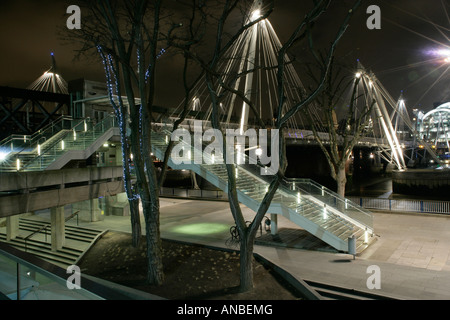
<point x="130" y="37"/>
<point x="338" y="135"/>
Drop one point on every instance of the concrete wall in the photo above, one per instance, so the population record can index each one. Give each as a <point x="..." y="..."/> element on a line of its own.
<point x="421" y="182"/>
<point x="41" y="190"/>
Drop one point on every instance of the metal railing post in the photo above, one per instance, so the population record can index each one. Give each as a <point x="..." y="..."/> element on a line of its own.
<point x="18" y="281"/>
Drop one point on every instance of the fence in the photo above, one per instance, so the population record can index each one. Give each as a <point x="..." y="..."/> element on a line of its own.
<point x="193" y="193"/>
<point x="423" y="206"/>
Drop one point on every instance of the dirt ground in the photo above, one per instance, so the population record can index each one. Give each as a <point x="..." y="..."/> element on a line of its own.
<point x="192" y="272"/>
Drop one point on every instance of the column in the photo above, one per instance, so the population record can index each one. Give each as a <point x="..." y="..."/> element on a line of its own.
<point x="12" y="227"/>
<point x="274" y="224"/>
<point x="117" y="205"/>
<point x="89" y="210"/>
<point x="58" y="227"/>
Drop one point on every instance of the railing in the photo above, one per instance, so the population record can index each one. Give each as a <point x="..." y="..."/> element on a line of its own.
<point x="420" y="206"/>
<point x="79" y="137"/>
<point x="344" y="205"/>
<point x="18" y="143"/>
<point x="404" y="205"/>
<point x="44" y="228"/>
<point x="17" y="150"/>
<point x="25" y="276"/>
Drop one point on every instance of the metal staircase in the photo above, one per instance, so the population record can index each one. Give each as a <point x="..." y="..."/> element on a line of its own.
<point x="76" y="140"/>
<point x="335" y="220"/>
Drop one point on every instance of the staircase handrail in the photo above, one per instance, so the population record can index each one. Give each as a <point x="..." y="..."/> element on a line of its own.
<point x="83" y="133"/>
<point x="32" y="234"/>
<point x="36" y="135"/>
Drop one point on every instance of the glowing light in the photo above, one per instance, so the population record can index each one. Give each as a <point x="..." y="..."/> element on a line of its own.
<point x="3" y="156"/>
<point x="325" y="215"/>
<point x="62" y="145"/>
<point x="256" y="15"/>
<point x="258" y="152"/>
<point x="106" y="145"/>
<point x="39" y="149"/>
<point x="358" y="75"/>
<point x="18" y="164"/>
<point x="366" y="236"/>
<point x="298" y="198"/>
<point x="443" y="53"/>
<point x="201" y="229"/>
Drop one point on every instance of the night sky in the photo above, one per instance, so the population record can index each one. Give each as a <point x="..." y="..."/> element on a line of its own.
<point x="410" y="31"/>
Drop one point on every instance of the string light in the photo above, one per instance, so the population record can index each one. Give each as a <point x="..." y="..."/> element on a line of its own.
<point x="109" y="69"/>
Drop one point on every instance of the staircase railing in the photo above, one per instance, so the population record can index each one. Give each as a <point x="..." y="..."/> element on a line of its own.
<point x="44" y="228"/>
<point x="351" y="210"/>
<point x="17" y="143"/>
<point x="80" y="137"/>
<point x="19" y="149"/>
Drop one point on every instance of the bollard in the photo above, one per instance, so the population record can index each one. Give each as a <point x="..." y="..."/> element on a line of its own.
<point x="352" y="246"/>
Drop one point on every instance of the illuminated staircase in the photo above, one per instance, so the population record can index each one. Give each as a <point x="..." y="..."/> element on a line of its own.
<point x="311" y="206"/>
<point x="77" y="140"/>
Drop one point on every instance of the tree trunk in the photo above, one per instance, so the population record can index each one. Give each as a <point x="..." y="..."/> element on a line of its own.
<point x="155" y="272"/>
<point x="135" y="222"/>
<point x="246" y="263"/>
<point x="341" y="180"/>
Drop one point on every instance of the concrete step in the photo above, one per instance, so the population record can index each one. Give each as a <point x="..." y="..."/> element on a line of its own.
<point x="74" y="233"/>
<point x="65" y="256"/>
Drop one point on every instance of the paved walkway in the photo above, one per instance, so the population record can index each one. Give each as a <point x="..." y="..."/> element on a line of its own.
<point x="412" y="250"/>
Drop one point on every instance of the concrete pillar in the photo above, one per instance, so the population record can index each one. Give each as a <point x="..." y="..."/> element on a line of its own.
<point x="89" y="210"/>
<point x="12" y="227"/>
<point x="58" y="227"/>
<point x="117" y="205"/>
<point x="274" y="224"/>
<point x="119" y="157"/>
